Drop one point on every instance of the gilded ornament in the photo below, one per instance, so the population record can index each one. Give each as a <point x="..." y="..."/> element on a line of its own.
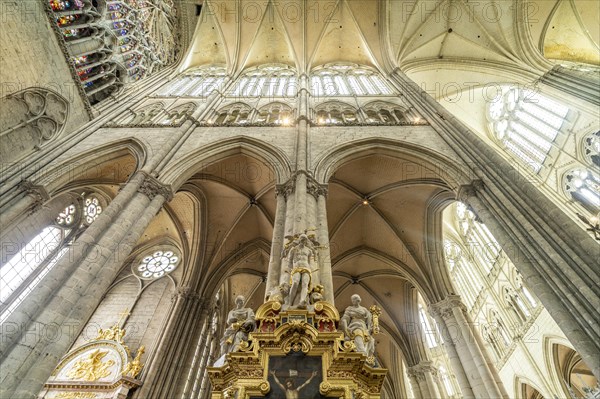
<point x="133" y="368"/>
<point x="92" y="368"/>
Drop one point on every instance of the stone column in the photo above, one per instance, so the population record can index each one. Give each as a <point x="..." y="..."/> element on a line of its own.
<point x="174" y="349"/>
<point x="576" y="83"/>
<point x="424" y="375"/>
<point x="562" y="267"/>
<point x="326" y="272"/>
<point x="28" y="363"/>
<point x="274" y="272"/>
<point x="448" y="324"/>
<point x="481" y="379"/>
<point x="414" y="383"/>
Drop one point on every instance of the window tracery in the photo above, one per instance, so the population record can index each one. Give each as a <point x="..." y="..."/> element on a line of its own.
<point x="196" y="83"/>
<point x="385" y="113"/>
<point x="591" y="145"/>
<point x="275" y="113"/>
<point x="526" y="124"/>
<point x="584" y="187"/>
<point x="157" y="264"/>
<point x="426" y="327"/>
<point x="233" y="114"/>
<point x="336" y="113"/>
<point x="266" y="81"/>
<point x="464" y="274"/>
<point x="347" y="80"/>
<point x="137" y="37"/>
<point x="20" y="275"/>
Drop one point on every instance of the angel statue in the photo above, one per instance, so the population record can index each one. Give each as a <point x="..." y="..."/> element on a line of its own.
<point x="301" y="257"/>
<point x="240" y="322"/>
<point x="357" y="324"/>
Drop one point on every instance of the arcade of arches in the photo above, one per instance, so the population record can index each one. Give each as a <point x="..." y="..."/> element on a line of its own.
<point x="157" y="154"/>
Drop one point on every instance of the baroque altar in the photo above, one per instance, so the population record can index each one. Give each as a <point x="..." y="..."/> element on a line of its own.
<point x="297" y="353"/>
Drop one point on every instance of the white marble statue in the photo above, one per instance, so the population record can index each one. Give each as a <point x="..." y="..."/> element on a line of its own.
<point x="301" y="262"/>
<point x="357" y="324"/>
<point x="240" y="322"/>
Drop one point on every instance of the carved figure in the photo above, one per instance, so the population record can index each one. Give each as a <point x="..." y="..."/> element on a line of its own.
<point x="133" y="368"/>
<point x="290" y="391"/>
<point x="357" y="324"/>
<point x="240" y="322"/>
<point x="300" y="259"/>
<point x="91" y="368"/>
<point x="316" y="294"/>
<point x="279" y="293"/>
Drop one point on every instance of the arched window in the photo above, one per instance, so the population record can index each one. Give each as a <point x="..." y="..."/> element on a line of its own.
<point x="178" y="114"/>
<point x="22" y="272"/>
<point x="384" y="113"/>
<point x="584" y="186"/>
<point x="429" y="333"/>
<point x="233" y="114"/>
<point x="275" y="113"/>
<point x="335" y="113"/>
<point x="526" y="124"/>
<point x="463" y="273"/>
<point x="266" y="81"/>
<point x="515" y="302"/>
<point x="532" y="303"/>
<point x="591" y="145"/>
<point x="482" y="245"/>
<point x="197" y="83"/>
<point x="347" y="80"/>
<point x="446" y="381"/>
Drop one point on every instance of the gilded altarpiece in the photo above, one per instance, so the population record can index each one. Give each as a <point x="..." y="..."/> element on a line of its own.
<point x="102" y="368"/>
<point x="297" y="354"/>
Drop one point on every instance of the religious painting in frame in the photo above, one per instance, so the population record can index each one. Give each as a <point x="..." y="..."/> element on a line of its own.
<point x="295" y="376"/>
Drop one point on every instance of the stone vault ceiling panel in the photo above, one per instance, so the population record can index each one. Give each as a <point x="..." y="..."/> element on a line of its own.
<point x="208" y="44"/>
<point x="342" y="40"/>
<point x="567" y="37"/>
<point x="271" y="43"/>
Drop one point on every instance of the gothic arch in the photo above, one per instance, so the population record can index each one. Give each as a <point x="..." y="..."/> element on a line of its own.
<point x="178" y="172"/>
<point x="86" y="167"/>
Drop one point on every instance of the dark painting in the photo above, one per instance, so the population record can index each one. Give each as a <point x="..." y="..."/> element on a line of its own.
<point x="295" y="376"/>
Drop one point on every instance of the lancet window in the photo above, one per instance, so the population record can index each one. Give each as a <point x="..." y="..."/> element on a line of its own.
<point x="197" y="83"/>
<point x="266" y="81"/>
<point x="429" y="332"/>
<point x="24" y="270"/>
<point x="526" y="124"/>
<point x="463" y="273"/>
<point x="347" y="80"/>
<point x="584" y="187"/>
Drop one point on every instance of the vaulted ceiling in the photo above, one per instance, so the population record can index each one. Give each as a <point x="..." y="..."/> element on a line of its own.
<point x="422" y="34"/>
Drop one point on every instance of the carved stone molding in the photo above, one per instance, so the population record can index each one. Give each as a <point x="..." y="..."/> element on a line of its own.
<point x="420" y="370"/>
<point x="315" y="189"/>
<point x="39" y="194"/>
<point x="187" y="293"/>
<point x="151" y="187"/>
<point x="444" y="308"/>
<point x="467" y="191"/>
<point x="286" y="189"/>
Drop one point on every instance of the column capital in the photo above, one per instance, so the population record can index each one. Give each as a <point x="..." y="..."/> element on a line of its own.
<point x="151" y="187"/>
<point x="315" y="189"/>
<point x="37" y="192"/>
<point x="444" y="308"/>
<point x="423" y="367"/>
<point x="467" y="191"/>
<point x="286" y="189"/>
<point x="186" y="293"/>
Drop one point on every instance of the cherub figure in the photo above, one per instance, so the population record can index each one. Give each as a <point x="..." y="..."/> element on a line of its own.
<point x="290" y="391"/>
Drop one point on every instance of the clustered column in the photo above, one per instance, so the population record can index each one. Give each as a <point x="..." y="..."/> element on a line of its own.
<point x="87" y="270"/>
<point x="423" y="377"/>
<point x="475" y="375"/>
